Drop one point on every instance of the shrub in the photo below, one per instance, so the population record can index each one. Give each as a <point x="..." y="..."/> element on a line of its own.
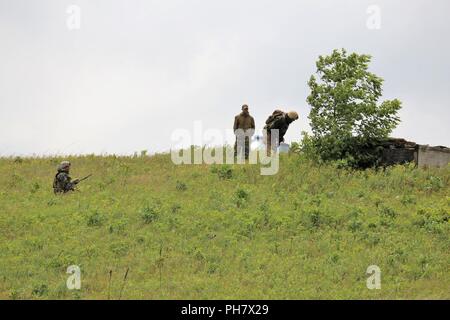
<point x="241" y="197"/>
<point x="18" y="160"/>
<point x="355" y="225"/>
<point x="388" y="212"/>
<point x="307" y="147"/>
<point x="181" y="186"/>
<point x="149" y="214"/>
<point x="315" y="218"/>
<point x="39" y="290"/>
<point x="432" y="220"/>
<point x="95" y="220"/>
<point x="35" y="187"/>
<point x="224" y="172"/>
<point x="119" y="248"/>
<point x="434" y="184"/>
<point x="118" y="226"/>
<point x="175" y="208"/>
<point x="242" y="194"/>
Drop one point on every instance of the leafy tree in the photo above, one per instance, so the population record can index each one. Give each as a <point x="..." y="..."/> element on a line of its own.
<point x="345" y="113"/>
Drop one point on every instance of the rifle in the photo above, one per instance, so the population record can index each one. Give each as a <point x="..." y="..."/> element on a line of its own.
<point x="85" y="178"/>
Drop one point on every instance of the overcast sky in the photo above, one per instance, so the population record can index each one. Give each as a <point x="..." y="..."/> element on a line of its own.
<point x="137" y="70"/>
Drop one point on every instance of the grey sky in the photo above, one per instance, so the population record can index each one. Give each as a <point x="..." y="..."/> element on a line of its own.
<point x="138" y="70"/>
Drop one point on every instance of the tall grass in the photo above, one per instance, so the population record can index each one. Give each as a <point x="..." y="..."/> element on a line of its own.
<point x="222" y="232"/>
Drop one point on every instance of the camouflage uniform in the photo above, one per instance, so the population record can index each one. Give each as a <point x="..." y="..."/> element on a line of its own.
<point x="63" y="182"/>
<point x="280" y="121"/>
<point x="246" y="122"/>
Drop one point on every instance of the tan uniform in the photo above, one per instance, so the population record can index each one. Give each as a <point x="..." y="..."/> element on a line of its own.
<point x="244" y="122"/>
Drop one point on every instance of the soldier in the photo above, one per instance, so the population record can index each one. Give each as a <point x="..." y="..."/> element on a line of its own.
<point x="280" y="121"/>
<point x="63" y="183"/>
<point x="244" y="128"/>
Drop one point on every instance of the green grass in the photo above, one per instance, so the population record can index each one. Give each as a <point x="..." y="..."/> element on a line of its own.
<point x="223" y="232"/>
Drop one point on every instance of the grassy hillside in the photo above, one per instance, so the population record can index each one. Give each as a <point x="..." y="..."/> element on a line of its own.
<point x="201" y="232"/>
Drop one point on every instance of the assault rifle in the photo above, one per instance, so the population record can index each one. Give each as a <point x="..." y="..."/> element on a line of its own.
<point x="80" y="180"/>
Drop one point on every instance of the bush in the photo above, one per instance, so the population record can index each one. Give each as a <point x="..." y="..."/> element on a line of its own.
<point x="95" y="220"/>
<point x="242" y="194"/>
<point x="39" y="290"/>
<point x="241" y="197"/>
<point x="149" y="214"/>
<point x="388" y="212"/>
<point x="224" y="172"/>
<point x="181" y="186"/>
<point x="432" y="220"/>
<point x="434" y="184"/>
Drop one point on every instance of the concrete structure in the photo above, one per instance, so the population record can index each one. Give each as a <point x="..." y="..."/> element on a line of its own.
<point x="400" y="151"/>
<point x="433" y="156"/>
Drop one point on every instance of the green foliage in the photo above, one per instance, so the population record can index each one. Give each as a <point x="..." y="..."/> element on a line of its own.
<point x="95" y="219"/>
<point x="388" y="212"/>
<point x="436" y="221"/>
<point x="118" y="226"/>
<point x="345" y="117"/>
<point x="242" y="194"/>
<point x="241" y="197"/>
<point x="149" y="214"/>
<point x="224" y="172"/>
<point x="308" y="148"/>
<point x="40" y="290"/>
<point x="181" y="186"/>
<point x="309" y="232"/>
<point x="434" y="184"/>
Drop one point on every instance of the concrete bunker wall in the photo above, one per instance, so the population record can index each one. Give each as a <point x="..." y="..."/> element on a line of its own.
<point x="433" y="156"/>
<point x="400" y="151"/>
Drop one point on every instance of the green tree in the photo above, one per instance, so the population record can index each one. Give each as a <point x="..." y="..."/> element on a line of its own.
<point x="345" y="115"/>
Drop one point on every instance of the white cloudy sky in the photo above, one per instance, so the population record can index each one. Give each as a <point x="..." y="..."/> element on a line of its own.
<point x="137" y="70"/>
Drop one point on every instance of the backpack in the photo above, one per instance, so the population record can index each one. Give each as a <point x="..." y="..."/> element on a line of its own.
<point x="276" y="115"/>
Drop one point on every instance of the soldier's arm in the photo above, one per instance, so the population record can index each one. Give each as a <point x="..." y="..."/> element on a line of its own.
<point x="236" y="124"/>
<point x="66" y="182"/>
<point x="71" y="186"/>
<point x="253" y="124"/>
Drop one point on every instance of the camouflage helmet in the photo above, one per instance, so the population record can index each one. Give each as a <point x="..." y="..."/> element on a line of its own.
<point x="293" y="115"/>
<point x="64" y="166"/>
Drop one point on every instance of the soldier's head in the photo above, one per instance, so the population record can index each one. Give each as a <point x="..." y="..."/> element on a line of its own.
<point x="64" y="166"/>
<point x="292" y="115"/>
<point x="245" y="109"/>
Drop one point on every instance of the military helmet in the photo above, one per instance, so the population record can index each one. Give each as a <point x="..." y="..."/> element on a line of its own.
<point x="293" y="115"/>
<point x="244" y="107"/>
<point x="64" y="166"/>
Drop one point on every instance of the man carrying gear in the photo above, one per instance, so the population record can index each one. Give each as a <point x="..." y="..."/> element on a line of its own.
<point x="244" y="128"/>
<point x="63" y="182"/>
<point x="280" y="121"/>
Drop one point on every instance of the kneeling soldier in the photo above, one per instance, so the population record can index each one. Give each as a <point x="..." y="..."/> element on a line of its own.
<point x="63" y="183"/>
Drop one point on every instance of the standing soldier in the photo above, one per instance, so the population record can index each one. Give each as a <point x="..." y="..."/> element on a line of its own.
<point x="280" y="121"/>
<point x="63" y="183"/>
<point x="244" y="128"/>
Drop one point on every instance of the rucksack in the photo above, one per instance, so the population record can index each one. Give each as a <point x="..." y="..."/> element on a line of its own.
<point x="276" y="115"/>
